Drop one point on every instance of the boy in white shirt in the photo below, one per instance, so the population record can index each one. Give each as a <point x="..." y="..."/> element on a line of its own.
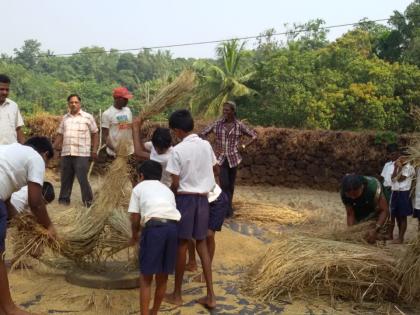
<point x="21" y="165"/>
<point x="152" y="205"/>
<point x="191" y="165"/>
<point x="388" y="170"/>
<point x="159" y="149"/>
<point x="401" y="204"/>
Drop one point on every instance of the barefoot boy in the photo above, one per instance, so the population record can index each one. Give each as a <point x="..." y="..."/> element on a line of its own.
<point x="153" y="205"/>
<point x="191" y="165"/>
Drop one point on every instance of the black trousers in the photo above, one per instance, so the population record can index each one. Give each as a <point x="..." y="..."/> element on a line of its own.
<point x="227" y="182"/>
<point x="72" y="166"/>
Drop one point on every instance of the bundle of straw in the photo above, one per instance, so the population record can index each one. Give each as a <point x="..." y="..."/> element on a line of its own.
<point x="170" y="94"/>
<point x="302" y="266"/>
<point x="352" y="234"/>
<point x="268" y="213"/>
<point x="30" y="238"/>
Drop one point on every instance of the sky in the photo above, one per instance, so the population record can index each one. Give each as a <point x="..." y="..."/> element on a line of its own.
<point x="64" y="26"/>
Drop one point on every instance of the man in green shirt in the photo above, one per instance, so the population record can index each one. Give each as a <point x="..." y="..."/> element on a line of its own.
<point x="364" y="200"/>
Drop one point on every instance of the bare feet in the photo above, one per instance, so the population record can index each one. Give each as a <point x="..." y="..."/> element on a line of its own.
<point x="173" y="299"/>
<point x="207" y="302"/>
<point x="199" y="278"/>
<point x="191" y="267"/>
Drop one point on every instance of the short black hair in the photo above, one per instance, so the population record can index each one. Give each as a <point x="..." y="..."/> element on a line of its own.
<point x="151" y="170"/>
<point x="161" y="138"/>
<point x="4" y="79"/>
<point x="351" y="182"/>
<point x="41" y="145"/>
<point x="392" y="147"/>
<point x="181" y="119"/>
<point x="48" y="192"/>
<point x="74" y="95"/>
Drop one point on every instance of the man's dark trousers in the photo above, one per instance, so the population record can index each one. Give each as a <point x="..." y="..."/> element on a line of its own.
<point x="227" y="182"/>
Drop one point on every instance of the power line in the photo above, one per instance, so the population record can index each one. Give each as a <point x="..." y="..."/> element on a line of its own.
<point x="214" y="41"/>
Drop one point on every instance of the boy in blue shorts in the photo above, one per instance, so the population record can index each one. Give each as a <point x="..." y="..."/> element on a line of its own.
<point x="191" y="167"/>
<point x="152" y="206"/>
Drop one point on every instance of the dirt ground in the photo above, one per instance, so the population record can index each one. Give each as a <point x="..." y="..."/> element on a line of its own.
<point x="44" y="290"/>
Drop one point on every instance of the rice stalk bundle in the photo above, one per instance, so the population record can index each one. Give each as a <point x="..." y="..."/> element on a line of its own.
<point x="268" y="213"/>
<point x="170" y="94"/>
<point x="409" y="276"/>
<point x="30" y="238"/>
<point x="302" y="266"/>
<point x="352" y="234"/>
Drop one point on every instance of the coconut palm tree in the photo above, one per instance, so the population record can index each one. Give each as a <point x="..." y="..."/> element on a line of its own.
<point x="221" y="82"/>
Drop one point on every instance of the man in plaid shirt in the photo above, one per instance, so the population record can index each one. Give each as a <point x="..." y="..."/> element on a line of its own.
<point x="229" y="131"/>
<point x="78" y="140"/>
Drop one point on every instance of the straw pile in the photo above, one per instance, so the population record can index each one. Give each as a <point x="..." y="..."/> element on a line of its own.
<point x="269" y="213"/>
<point x="409" y="276"/>
<point x="301" y="266"/>
<point x="170" y="94"/>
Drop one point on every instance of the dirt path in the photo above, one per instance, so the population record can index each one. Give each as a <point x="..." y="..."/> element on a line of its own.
<point x="44" y="290"/>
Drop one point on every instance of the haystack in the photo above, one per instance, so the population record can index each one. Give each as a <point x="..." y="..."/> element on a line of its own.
<point x="304" y="267"/>
<point x="409" y="272"/>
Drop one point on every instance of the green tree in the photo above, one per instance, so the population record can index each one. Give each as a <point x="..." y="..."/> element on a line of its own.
<point x="223" y="80"/>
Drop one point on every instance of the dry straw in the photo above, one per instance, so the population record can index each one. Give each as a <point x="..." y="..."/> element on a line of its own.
<point x="170" y="94"/>
<point x="269" y="213"/>
<point x="302" y="267"/>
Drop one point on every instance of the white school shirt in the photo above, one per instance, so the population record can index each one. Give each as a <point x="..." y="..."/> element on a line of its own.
<point x="119" y="122"/>
<point x="405" y="185"/>
<point x="193" y="160"/>
<point x="10" y="119"/>
<point x="162" y="159"/>
<point x="19" y="164"/>
<point x="19" y="199"/>
<point x="387" y="172"/>
<point x="214" y="193"/>
<point x="152" y="199"/>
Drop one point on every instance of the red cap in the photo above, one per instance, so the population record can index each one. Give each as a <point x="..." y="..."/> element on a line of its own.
<point x="122" y="92"/>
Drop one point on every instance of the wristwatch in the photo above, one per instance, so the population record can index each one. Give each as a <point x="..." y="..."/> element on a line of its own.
<point x="243" y="146"/>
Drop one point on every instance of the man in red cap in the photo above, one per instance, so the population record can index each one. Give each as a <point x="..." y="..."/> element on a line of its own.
<point x="117" y="123"/>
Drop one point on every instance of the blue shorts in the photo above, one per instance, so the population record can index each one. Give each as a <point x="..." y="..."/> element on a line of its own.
<point x="194" y="221"/>
<point x="3" y="226"/>
<point x="158" y="247"/>
<point x="401" y="205"/>
<point x="218" y="210"/>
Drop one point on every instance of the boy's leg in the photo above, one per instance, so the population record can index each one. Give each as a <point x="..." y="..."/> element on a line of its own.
<point x="391" y="227"/>
<point x="208" y="301"/>
<point x="176" y="296"/>
<point x="145" y="284"/>
<point x="161" y="280"/>
<point x="402" y="228"/>
<point x="192" y="262"/>
<point x="211" y="243"/>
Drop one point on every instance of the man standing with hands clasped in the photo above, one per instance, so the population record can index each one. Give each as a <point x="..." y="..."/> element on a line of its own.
<point x="229" y="131"/>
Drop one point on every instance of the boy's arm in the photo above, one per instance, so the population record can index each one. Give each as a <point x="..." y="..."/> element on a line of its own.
<point x="135" y="228"/>
<point x="351" y="219"/>
<point x="249" y="132"/>
<point x="175" y="183"/>
<point x="37" y="206"/>
<point x="139" y="149"/>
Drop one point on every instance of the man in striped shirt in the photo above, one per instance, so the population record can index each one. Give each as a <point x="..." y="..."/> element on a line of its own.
<point x="229" y="131"/>
<point x="78" y="140"/>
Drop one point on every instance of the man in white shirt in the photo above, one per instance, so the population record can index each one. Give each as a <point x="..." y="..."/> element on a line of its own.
<point x="192" y="165"/>
<point x="117" y="127"/>
<point x="22" y="165"/>
<point x="152" y="205"/>
<point x="11" y="121"/>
